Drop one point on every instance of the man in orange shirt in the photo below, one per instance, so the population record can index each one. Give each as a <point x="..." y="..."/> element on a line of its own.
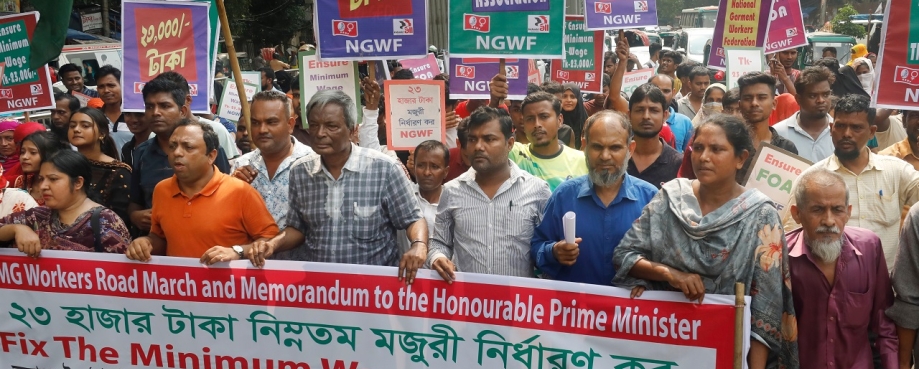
<point x="199" y="211"/>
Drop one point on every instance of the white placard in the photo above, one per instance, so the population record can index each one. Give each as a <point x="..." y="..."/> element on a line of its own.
<point x="316" y="75"/>
<point x="414" y="113"/>
<point x="230" y="107"/>
<point x="774" y="172"/>
<point x="740" y="61"/>
<point x="631" y="80"/>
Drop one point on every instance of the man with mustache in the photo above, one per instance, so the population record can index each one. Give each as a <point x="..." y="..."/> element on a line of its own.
<point x="879" y="186"/>
<point x="486" y="216"/>
<point x="809" y="129"/>
<point x="268" y="167"/>
<point x="905" y="309"/>
<point x="65" y="105"/>
<point x="346" y="201"/>
<point x="431" y="160"/>
<point x="200" y="212"/>
<point x="839" y="279"/>
<point x="607" y="201"/>
<point x="545" y="157"/>
<point x="652" y="160"/>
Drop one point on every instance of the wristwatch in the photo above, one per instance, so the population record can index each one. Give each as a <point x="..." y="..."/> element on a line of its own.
<point x="239" y="251"/>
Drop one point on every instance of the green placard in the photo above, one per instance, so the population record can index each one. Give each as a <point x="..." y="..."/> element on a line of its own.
<point x="581" y="47"/>
<point x="14" y="45"/>
<point x="530" y="30"/>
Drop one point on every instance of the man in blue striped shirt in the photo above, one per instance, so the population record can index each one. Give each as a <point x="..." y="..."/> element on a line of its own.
<point x="606" y="201"/>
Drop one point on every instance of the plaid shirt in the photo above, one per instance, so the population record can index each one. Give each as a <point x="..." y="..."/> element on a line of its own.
<point x="351" y="220"/>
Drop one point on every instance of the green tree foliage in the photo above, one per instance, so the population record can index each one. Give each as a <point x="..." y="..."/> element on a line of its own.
<point x="270" y="22"/>
<point x="668" y="10"/>
<point x="842" y="24"/>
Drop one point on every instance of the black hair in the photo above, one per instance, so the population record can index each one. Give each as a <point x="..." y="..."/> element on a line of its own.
<point x="735" y="130"/>
<point x="656" y="76"/>
<point x="404" y="73"/>
<point x="830" y="49"/>
<point x="606" y="80"/>
<point x="461" y="132"/>
<point x="651" y="92"/>
<point x="74" y="165"/>
<point x="811" y="76"/>
<point x="655" y="47"/>
<point x="108" y="145"/>
<point x="67" y="68"/>
<point x="72" y="102"/>
<point x="211" y="142"/>
<point x="541" y="96"/>
<point x="552" y="87"/>
<point x="268" y="72"/>
<point x="295" y="83"/>
<point x="272" y="95"/>
<point x="685" y="68"/>
<point x="756" y="78"/>
<point x="731" y="97"/>
<point x="432" y="145"/>
<point x="828" y="63"/>
<point x="485" y="114"/>
<point x="856" y="103"/>
<point x="47" y="144"/>
<point x="108" y="70"/>
<point x="697" y="72"/>
<point x="162" y="84"/>
<point x="178" y="79"/>
<point x="673" y="55"/>
<point x="532" y="87"/>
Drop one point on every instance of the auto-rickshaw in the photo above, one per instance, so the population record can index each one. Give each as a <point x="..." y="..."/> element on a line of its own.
<point x="817" y="41"/>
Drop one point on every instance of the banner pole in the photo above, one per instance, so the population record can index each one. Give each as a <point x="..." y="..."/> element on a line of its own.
<point x="738" y="325"/>
<point x="501" y="69"/>
<point x="234" y="64"/>
<point x="27" y="116"/>
<point x="372" y="70"/>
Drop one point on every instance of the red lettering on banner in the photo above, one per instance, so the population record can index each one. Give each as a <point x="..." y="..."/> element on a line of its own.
<point x="339" y="364"/>
<point x="373" y="8"/>
<point x="165" y="42"/>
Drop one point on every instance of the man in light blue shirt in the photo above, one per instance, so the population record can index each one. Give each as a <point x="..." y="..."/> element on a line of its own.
<point x="267" y="168"/>
<point x="606" y="201"/>
<point x="679" y="124"/>
<point x="809" y="129"/>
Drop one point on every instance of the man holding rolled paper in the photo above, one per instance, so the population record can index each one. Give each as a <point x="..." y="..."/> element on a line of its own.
<point x="606" y="201"/>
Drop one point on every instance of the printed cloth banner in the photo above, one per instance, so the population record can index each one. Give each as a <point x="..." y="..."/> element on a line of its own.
<point x="316" y="75"/>
<point x="80" y="310"/>
<point x="469" y="77"/>
<point x="898" y="61"/>
<point x="583" y="63"/>
<point x="161" y="37"/>
<point x="620" y="14"/>
<point x="745" y="24"/>
<point x="414" y="113"/>
<point x="423" y="68"/>
<point x="518" y="28"/>
<point x="21" y="88"/>
<point x="371" y="30"/>
<point x="786" y="26"/>
<point x="774" y="172"/>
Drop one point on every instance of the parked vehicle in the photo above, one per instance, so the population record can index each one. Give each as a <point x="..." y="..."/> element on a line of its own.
<point x="89" y="58"/>
<point x="701" y="17"/>
<point x="692" y="42"/>
<point x="817" y="41"/>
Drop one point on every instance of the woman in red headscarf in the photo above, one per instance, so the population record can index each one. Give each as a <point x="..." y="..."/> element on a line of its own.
<point x="9" y="152"/>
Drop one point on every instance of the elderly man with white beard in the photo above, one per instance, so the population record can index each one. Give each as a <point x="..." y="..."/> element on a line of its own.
<point x="839" y="279"/>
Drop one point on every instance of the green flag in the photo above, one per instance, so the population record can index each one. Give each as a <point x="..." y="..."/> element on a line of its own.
<point x="51" y="31"/>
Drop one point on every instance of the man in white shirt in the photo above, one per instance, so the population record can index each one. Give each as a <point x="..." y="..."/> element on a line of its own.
<point x="486" y="216"/>
<point x="809" y="129"/>
<point x="879" y="186"/>
<point x="431" y="165"/>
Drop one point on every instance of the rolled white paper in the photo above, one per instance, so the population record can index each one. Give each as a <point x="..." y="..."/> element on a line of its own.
<point x="568" y="225"/>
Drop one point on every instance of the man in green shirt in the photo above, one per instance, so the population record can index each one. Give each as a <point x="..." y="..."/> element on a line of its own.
<point x="545" y="157"/>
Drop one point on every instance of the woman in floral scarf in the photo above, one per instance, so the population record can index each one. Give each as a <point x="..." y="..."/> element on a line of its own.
<point x="701" y="236"/>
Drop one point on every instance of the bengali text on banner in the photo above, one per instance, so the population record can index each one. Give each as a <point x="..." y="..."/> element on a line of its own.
<point x="371" y="30"/>
<point x="79" y="310"/>
<point x="744" y="24"/>
<point x="162" y="37"/>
